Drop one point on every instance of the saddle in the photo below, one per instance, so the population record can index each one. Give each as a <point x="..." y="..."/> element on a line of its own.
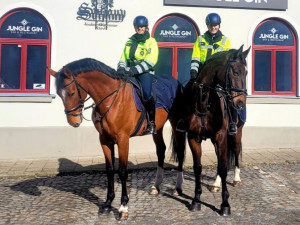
<point x="164" y="90"/>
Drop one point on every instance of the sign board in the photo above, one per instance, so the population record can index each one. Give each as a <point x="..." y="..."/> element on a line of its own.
<point x="246" y="4"/>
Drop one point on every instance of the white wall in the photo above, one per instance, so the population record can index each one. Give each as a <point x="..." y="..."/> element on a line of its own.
<point x="71" y="40"/>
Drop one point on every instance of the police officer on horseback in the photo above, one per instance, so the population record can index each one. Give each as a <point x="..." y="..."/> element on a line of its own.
<point x="211" y="42"/>
<point x="138" y="59"/>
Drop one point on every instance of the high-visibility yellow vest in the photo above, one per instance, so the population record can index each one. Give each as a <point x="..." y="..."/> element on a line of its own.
<point x="201" y="47"/>
<point x="146" y="56"/>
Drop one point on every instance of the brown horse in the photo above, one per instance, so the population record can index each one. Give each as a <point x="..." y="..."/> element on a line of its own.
<point x="115" y="117"/>
<point x="220" y="84"/>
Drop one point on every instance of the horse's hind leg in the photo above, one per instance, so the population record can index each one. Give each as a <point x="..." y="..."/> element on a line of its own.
<point x="108" y="150"/>
<point x="179" y="148"/>
<point x="160" y="152"/>
<point x="237" y="151"/>
<point x="216" y="186"/>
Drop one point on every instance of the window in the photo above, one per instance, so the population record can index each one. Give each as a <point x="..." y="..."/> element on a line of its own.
<point x="274" y="59"/>
<point x="176" y="35"/>
<point x="24" y="52"/>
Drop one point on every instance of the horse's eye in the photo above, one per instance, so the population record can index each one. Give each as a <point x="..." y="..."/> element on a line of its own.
<point x="71" y="94"/>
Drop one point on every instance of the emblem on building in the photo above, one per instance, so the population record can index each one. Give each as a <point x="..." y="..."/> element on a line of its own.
<point x="100" y="14"/>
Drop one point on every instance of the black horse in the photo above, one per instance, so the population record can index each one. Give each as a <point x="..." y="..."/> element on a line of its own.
<point x="206" y="102"/>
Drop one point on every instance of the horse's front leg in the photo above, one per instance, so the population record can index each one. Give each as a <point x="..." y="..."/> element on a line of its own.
<point x="197" y="166"/>
<point x="123" y="149"/>
<point x="160" y="152"/>
<point x="108" y="150"/>
<point x="221" y="146"/>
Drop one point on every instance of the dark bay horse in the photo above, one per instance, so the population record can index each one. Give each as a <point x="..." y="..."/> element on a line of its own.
<point x="220" y="84"/>
<point x="115" y="117"/>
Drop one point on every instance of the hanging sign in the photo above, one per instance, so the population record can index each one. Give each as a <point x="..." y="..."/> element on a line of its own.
<point x="175" y="29"/>
<point x="24" y="25"/>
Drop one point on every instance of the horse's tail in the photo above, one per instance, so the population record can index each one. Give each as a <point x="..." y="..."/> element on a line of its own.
<point x="178" y="145"/>
<point x="230" y="151"/>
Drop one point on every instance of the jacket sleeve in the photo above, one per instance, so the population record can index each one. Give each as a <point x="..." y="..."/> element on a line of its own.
<point x="195" y="61"/>
<point x="122" y="63"/>
<point x="150" y="59"/>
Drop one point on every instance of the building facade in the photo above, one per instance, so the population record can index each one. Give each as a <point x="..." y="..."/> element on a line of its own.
<point x="35" y="34"/>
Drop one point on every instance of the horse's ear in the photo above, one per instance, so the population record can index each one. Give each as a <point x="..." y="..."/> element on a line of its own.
<point x="51" y="71"/>
<point x="238" y="52"/>
<point x="245" y="53"/>
<point x="67" y="72"/>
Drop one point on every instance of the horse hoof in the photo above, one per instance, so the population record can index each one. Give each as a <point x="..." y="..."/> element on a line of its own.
<point x="154" y="191"/>
<point x="123" y="216"/>
<point x="214" y="189"/>
<point x="195" y="207"/>
<point x="105" y="210"/>
<point x="225" y="211"/>
<point x="177" y="192"/>
<point x="237" y="183"/>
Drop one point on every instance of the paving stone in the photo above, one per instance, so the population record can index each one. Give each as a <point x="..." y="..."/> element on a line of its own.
<point x="270" y="194"/>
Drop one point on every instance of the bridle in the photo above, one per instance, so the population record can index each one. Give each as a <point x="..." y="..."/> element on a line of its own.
<point x="69" y="112"/>
<point x="224" y="91"/>
<point x="228" y="82"/>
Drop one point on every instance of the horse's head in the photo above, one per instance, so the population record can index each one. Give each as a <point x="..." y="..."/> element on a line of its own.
<point x="70" y="91"/>
<point x="234" y="81"/>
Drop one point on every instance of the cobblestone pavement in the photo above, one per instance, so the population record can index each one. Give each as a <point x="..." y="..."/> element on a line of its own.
<point x="270" y="194"/>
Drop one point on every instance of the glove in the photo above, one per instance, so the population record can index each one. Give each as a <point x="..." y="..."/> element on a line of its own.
<point x="121" y="71"/>
<point x="129" y="73"/>
<point x="193" y="74"/>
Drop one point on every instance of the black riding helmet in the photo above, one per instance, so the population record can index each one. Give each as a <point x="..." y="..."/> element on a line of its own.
<point x="140" y="21"/>
<point x="213" y="18"/>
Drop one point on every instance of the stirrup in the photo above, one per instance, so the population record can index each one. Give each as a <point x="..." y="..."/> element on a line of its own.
<point x="151" y="128"/>
<point x="181" y="126"/>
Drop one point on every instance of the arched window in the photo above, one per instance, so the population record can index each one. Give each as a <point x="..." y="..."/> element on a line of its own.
<point x="25" y="39"/>
<point x="274" y="59"/>
<point x="176" y="35"/>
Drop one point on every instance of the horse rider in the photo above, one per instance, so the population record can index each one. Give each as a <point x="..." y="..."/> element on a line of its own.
<point x="138" y="59"/>
<point x="211" y="42"/>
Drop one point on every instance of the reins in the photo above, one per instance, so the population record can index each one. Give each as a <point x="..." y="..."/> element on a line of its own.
<point x="223" y="92"/>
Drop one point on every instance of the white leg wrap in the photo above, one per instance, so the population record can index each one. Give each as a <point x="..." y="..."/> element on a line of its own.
<point x="217" y="182"/>
<point x="123" y="208"/>
<point x="159" y="177"/>
<point x="179" y="181"/>
<point x="237" y="174"/>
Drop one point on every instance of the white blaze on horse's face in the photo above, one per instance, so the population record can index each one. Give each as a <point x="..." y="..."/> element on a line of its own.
<point x="63" y="95"/>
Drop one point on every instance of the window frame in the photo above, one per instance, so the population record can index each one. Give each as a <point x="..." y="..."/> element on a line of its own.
<point x="175" y="45"/>
<point x="24" y="43"/>
<point x="274" y="49"/>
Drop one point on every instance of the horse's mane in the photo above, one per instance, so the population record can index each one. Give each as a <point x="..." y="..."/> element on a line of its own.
<point x="218" y="55"/>
<point x="86" y="65"/>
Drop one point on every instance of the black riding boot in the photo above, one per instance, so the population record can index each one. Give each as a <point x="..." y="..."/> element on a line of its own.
<point x="232" y="123"/>
<point x="150" y="108"/>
